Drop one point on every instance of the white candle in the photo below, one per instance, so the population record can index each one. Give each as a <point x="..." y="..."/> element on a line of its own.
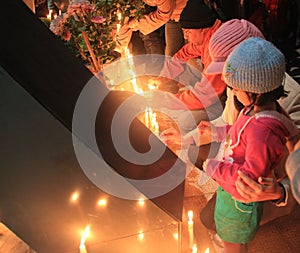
<point x="194" y="249"/>
<point x="156" y="129"/>
<point x="147" y="117"/>
<point x="49" y="15"/>
<point x="191" y="229"/>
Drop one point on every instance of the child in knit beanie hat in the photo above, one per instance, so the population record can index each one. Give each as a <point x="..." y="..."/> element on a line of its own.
<point x="221" y="44"/>
<point x="255" y="143"/>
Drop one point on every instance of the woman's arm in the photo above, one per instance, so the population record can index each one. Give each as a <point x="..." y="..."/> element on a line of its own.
<point x="263" y="190"/>
<point x="152" y="21"/>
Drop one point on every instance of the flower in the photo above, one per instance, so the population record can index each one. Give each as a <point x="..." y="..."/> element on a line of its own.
<point x="57" y="26"/>
<point x="98" y="19"/>
<point x="67" y="35"/>
<point x="95" y="21"/>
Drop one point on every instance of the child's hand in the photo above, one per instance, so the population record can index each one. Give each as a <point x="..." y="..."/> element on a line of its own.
<point x="206" y="132"/>
<point x="171" y="137"/>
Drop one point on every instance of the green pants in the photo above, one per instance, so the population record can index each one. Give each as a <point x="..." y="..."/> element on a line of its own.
<point x="236" y="222"/>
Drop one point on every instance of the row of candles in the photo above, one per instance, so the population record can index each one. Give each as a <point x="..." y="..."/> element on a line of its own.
<point x="49" y="16"/>
<point x="141" y="202"/>
<point x="192" y="245"/>
<point x="150" y="121"/>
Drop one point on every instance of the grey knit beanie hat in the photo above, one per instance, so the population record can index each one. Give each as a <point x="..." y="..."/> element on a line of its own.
<point x="256" y="66"/>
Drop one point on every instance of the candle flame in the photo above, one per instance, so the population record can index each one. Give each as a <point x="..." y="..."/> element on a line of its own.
<point x="152" y="86"/>
<point x="141" y="202"/>
<point x="190" y="215"/>
<point x="175" y="235"/>
<point x="141" y="235"/>
<point x="74" y="197"/>
<point x="194" y="249"/>
<point x="84" y="235"/>
<point x="119" y="15"/>
<point x="49" y="15"/>
<point x="102" y="202"/>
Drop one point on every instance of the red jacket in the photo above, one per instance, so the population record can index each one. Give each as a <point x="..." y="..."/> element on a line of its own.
<point x="210" y="88"/>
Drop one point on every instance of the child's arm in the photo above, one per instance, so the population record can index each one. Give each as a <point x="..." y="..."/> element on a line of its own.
<point x="260" y="154"/>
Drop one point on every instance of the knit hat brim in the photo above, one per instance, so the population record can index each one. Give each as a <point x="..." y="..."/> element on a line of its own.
<point x="255" y="66"/>
<point x="215" y="68"/>
<point x="197" y="15"/>
<point x="197" y="24"/>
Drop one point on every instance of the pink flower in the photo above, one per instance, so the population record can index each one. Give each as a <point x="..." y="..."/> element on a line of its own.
<point x="80" y="5"/>
<point x="57" y="25"/>
<point x="66" y="35"/>
<point x="98" y="19"/>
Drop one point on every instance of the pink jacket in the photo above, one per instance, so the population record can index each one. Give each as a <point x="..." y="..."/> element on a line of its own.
<point x="257" y="146"/>
<point x="201" y="96"/>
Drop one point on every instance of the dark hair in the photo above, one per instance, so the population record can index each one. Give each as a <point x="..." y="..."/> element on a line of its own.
<point x="265" y="98"/>
<point x="237" y="104"/>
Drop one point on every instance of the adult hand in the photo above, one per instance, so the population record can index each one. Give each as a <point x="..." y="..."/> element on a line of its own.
<point x="124" y="35"/>
<point x="263" y="190"/>
<point x="166" y="84"/>
<point x="133" y="24"/>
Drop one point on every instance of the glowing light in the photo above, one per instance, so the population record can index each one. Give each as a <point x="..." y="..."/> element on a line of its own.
<point x="49" y="16"/>
<point x="141" y="202"/>
<point x="119" y="15"/>
<point x="150" y="120"/>
<point x="102" y="202"/>
<point x="175" y="235"/>
<point x="207" y="250"/>
<point x="194" y="249"/>
<point x="190" y="215"/>
<point x="84" y="235"/>
<point x="74" y="197"/>
<point x="151" y="85"/>
<point x="141" y="235"/>
<point x="191" y="228"/>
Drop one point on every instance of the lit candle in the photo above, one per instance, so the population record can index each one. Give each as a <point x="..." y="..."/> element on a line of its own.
<point x="84" y="235"/>
<point x="49" y="16"/>
<point x="153" y="120"/>
<point x="147" y="117"/>
<point x="74" y="197"/>
<point x="102" y="202"/>
<point x="175" y="235"/>
<point x="141" y="202"/>
<point x="156" y="129"/>
<point x="141" y="235"/>
<point x="191" y="228"/>
<point x="194" y="249"/>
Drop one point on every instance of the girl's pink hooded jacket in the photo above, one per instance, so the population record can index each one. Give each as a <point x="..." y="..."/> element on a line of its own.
<point x="258" y="145"/>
